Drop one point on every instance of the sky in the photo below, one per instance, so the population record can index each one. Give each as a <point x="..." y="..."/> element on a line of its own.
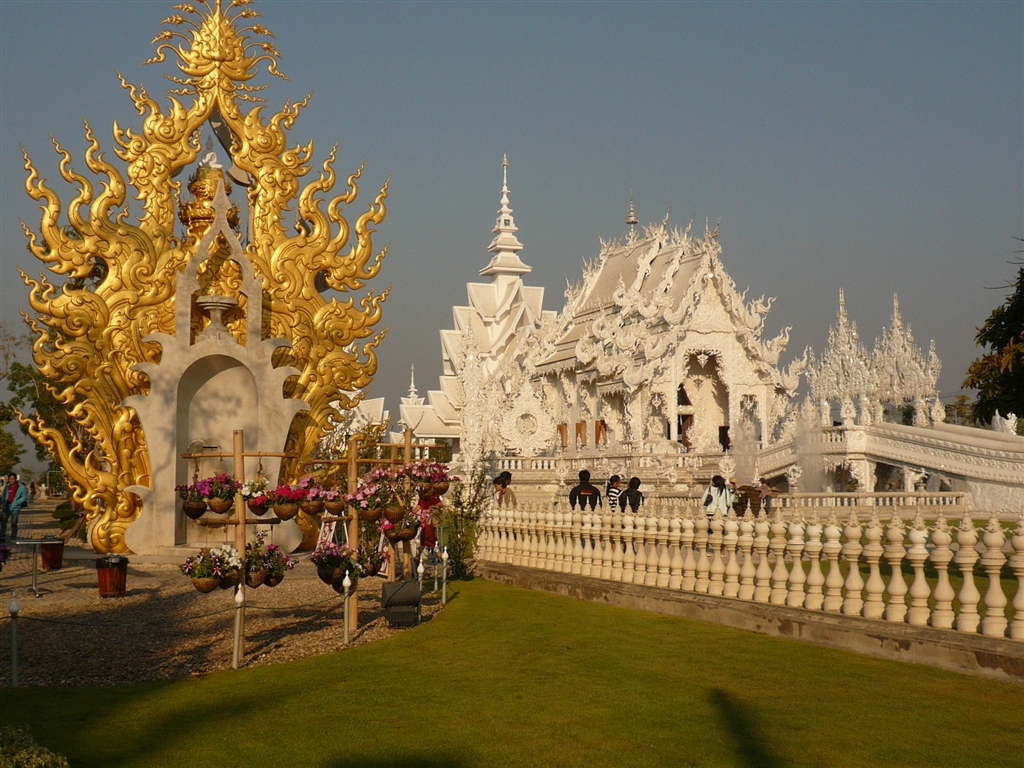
<point x="872" y="147"/>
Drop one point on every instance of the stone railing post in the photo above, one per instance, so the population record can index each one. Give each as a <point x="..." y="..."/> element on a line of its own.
<point x="664" y="560"/>
<point x="516" y="526"/>
<point x="896" y="610"/>
<point x="549" y="537"/>
<point x="628" y="554"/>
<point x="700" y="544"/>
<point x="966" y="557"/>
<point x="745" y="546"/>
<point x="732" y="565"/>
<point x="603" y="554"/>
<point x="941" y="555"/>
<point x="576" y="532"/>
<point x="763" y="574"/>
<point x="675" y="532"/>
<point x="780" y="575"/>
<point x="797" y="578"/>
<point x="616" y="538"/>
<point x="1017" y="563"/>
<point x="815" y="579"/>
<point x="716" y="572"/>
<point x="640" y="537"/>
<point x="689" y="561"/>
<point x="651" y="577"/>
<point x="563" y="549"/>
<point x="834" y="580"/>
<point x="586" y="529"/>
<point x="917" y="554"/>
<point x="874" y="605"/>
<point x="994" y="623"/>
<point x="853" y="603"/>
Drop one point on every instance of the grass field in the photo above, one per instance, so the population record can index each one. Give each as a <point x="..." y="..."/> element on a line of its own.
<point x="508" y="677"/>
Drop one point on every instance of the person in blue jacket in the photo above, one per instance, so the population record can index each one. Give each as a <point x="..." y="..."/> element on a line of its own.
<point x="15" y="496"/>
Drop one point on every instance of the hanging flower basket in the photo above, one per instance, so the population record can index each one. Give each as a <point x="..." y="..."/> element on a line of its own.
<point x="441" y="488"/>
<point x="205" y="584"/>
<point x="220" y="506"/>
<point x="314" y="507"/>
<point x="255" y="577"/>
<point x="336" y="507"/>
<point x="395" y="535"/>
<point x="273" y="581"/>
<point x="394" y="514"/>
<point x="338" y="585"/>
<point x="258" y="509"/>
<point x="371" y="515"/>
<point x="326" y="573"/>
<point x="286" y="511"/>
<point x="193" y="509"/>
<point x="265" y="564"/>
<point x="229" y="581"/>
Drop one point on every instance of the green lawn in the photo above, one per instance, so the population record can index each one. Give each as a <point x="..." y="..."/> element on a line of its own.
<point x="506" y="676"/>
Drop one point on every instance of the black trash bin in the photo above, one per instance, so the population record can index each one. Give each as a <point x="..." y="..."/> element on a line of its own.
<point x="401" y="601"/>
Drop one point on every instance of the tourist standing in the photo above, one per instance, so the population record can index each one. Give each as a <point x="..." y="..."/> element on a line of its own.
<point x="766" y="496"/>
<point x="503" y="495"/>
<point x="632" y="498"/>
<point x="585" y="493"/>
<point x="717" y="497"/>
<point x="15" y="496"/>
<point x="612" y="491"/>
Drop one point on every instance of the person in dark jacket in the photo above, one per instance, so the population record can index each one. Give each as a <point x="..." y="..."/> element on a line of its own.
<point x="585" y="493"/>
<point x="632" y="498"/>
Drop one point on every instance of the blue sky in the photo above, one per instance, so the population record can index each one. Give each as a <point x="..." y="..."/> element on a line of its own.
<point x="874" y="147"/>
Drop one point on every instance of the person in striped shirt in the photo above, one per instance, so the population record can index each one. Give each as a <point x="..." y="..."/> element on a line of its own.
<point x="612" y="491"/>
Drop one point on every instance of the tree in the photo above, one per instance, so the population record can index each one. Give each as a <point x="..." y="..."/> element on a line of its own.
<point x="960" y="411"/>
<point x="998" y="376"/>
<point x="10" y="452"/>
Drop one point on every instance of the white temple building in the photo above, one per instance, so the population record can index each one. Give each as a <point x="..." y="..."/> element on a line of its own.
<point x="657" y="362"/>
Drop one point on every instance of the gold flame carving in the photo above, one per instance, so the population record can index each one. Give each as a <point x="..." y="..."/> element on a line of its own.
<point x="118" y="278"/>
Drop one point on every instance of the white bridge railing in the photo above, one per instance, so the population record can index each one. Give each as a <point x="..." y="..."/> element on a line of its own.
<point x="793" y="559"/>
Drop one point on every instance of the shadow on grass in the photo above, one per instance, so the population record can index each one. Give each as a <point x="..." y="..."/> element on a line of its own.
<point x="405" y="761"/>
<point x="739" y="722"/>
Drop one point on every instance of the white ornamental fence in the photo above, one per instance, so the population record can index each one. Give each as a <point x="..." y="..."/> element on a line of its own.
<point x="674" y="545"/>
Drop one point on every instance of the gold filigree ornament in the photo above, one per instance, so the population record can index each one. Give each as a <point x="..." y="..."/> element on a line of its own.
<point x="118" y="279"/>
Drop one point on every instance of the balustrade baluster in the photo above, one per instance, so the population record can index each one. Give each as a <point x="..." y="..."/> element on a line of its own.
<point x="651" y="578"/>
<point x="689" y="561"/>
<point x="732" y="566"/>
<point x="815" y="579"/>
<point x="663" y="557"/>
<point x="516" y="533"/>
<point x="874" y="605"/>
<point x="616" y="537"/>
<point x="745" y="544"/>
<point x="896" y="610"/>
<point x="563" y="559"/>
<point x="628" y="554"/>
<point x="966" y="556"/>
<point x="834" y="580"/>
<point x="532" y="537"/>
<point x="853" y="602"/>
<point x="763" y="575"/>
<point x="941" y="555"/>
<point x="700" y="544"/>
<point x="675" y="567"/>
<point x="602" y="554"/>
<point x="546" y="524"/>
<point x="576" y="532"/>
<point x="716" y="572"/>
<point x="919" y="612"/>
<point x="1017" y="563"/>
<point x="587" y="543"/>
<point x="797" y="578"/>
<point x="780" y="575"/>
<point x="994" y="623"/>
<point x="640" y="538"/>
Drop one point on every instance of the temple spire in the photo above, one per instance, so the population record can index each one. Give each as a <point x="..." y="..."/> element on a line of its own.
<point x="413" y="398"/>
<point x="631" y="219"/>
<point x="505" y="245"/>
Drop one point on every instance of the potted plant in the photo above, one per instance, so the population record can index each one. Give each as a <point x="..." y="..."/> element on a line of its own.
<point x="384" y="490"/>
<point x="433" y="472"/>
<point x="276" y="563"/>
<point x="219" y="491"/>
<point x="192" y="502"/>
<point x="334" y="501"/>
<point x="333" y="561"/>
<point x="286" y="501"/>
<point x="313" y="503"/>
<point x="257" y="496"/>
<point x="255" y="571"/>
<point x="213" y="567"/>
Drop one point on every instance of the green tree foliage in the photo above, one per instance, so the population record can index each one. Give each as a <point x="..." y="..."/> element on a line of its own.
<point x="998" y="376"/>
<point x="960" y="411"/>
<point x="10" y="452"/>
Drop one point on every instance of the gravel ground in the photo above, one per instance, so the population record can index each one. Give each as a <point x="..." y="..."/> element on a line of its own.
<point x="163" y="628"/>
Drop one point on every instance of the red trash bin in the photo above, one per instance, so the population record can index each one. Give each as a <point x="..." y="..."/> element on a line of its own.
<point x="52" y="556"/>
<point x="112" y="574"/>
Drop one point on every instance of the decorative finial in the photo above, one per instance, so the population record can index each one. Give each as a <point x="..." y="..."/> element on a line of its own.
<point x="412" y="380"/>
<point x="631" y="219"/>
<point x="505" y="246"/>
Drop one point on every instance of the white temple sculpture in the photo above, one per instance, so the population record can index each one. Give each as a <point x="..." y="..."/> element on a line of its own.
<point x="657" y="365"/>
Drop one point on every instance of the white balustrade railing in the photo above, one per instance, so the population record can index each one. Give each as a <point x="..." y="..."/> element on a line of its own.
<point x="793" y="559"/>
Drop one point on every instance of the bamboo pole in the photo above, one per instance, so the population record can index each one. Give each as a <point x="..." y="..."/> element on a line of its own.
<point x="352" y="610"/>
<point x="240" y="535"/>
